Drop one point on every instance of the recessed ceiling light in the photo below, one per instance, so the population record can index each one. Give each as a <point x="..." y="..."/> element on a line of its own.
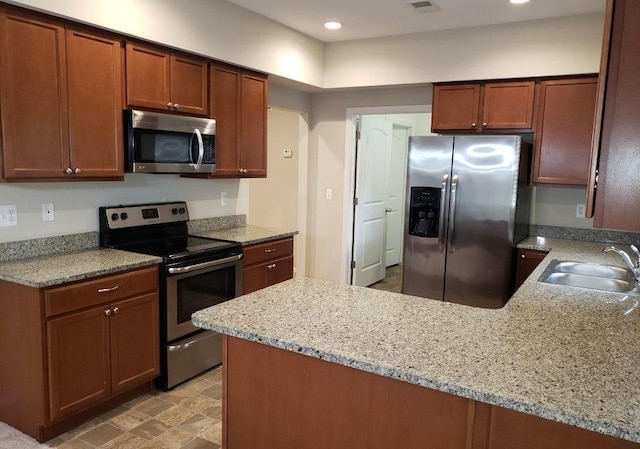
<point x="333" y="25"/>
<point x="518" y="2"/>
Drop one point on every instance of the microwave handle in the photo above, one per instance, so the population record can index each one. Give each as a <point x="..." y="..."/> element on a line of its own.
<point x="196" y="132"/>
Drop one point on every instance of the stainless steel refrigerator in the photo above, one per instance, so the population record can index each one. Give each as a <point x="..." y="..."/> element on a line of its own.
<point x="467" y="206"/>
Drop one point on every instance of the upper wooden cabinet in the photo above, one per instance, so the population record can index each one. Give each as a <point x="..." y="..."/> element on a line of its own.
<point x="483" y="106"/>
<point x="157" y="79"/>
<point x="239" y="107"/>
<point x="61" y="105"/>
<point x="617" y="197"/>
<point x="562" y="142"/>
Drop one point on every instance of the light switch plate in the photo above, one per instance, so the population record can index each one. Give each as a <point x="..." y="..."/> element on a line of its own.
<point x="8" y="216"/>
<point x="580" y="209"/>
<point x="287" y="153"/>
<point x="223" y="198"/>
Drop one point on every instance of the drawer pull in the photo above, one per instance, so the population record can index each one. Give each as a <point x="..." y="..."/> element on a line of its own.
<point x="107" y="312"/>
<point x="116" y="310"/>
<point x="272" y="266"/>
<point x="272" y="250"/>
<point x="107" y="290"/>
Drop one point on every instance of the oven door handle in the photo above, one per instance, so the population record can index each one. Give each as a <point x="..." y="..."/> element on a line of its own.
<point x="199" y="266"/>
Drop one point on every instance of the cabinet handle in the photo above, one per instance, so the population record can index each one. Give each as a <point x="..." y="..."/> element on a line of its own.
<point x="270" y="250"/>
<point x="523" y="256"/>
<point x="473" y="125"/>
<point x="107" y="290"/>
<point x="484" y="124"/>
<point x="77" y="171"/>
<point x="68" y="171"/>
<point x="169" y="105"/>
<point x="176" y="105"/>
<point x="116" y="310"/>
<point x="107" y="312"/>
<point x="272" y="266"/>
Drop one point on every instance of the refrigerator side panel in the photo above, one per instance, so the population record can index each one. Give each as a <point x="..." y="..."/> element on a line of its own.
<point x="482" y="220"/>
<point x="428" y="173"/>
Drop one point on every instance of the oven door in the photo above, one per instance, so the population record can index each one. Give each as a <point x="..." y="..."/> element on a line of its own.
<point x="196" y="286"/>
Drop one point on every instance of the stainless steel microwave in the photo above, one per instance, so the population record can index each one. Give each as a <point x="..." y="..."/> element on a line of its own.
<point x="168" y="143"/>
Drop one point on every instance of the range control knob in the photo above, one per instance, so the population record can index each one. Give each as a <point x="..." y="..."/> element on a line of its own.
<point x="114" y="217"/>
<point x="182" y="210"/>
<point x="174" y="211"/>
<point x="124" y="216"/>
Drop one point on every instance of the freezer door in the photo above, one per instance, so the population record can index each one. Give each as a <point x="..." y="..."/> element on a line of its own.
<point x="484" y="190"/>
<point x="428" y="176"/>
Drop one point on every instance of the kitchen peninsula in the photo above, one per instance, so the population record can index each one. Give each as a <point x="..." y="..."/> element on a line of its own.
<point x="327" y="365"/>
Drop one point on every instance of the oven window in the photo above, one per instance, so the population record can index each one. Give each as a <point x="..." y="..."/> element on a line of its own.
<point x="204" y="290"/>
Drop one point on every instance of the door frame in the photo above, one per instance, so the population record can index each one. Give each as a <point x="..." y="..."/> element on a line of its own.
<point x="350" y="178"/>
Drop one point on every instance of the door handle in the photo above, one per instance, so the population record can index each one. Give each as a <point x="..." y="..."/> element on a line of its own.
<point x="196" y="132"/>
<point x="200" y="266"/>
<point x="452" y="212"/>
<point x="443" y="203"/>
<point x="387" y="210"/>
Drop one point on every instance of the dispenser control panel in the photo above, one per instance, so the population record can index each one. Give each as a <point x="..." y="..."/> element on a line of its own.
<point x="424" y="211"/>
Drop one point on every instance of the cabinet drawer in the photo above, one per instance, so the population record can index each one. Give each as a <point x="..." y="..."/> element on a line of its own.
<point x="98" y="291"/>
<point x="268" y="251"/>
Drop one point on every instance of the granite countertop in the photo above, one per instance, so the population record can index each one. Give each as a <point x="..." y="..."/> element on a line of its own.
<point x="248" y="235"/>
<point x="557" y="352"/>
<point x="45" y="271"/>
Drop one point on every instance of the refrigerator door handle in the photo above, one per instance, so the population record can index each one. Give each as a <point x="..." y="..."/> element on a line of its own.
<point x="452" y="213"/>
<point x="443" y="204"/>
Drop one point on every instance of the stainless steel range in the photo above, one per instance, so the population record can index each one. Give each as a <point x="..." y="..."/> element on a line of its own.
<point x="196" y="273"/>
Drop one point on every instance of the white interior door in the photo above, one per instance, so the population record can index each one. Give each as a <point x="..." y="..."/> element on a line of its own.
<point x="395" y="181"/>
<point x="370" y="224"/>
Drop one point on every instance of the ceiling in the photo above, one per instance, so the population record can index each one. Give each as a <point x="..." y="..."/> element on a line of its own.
<point x="376" y="18"/>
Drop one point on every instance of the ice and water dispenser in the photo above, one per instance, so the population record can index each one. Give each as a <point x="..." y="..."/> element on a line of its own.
<point x="424" y="211"/>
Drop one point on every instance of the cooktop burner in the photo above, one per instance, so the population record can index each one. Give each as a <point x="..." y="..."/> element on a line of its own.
<point x="159" y="230"/>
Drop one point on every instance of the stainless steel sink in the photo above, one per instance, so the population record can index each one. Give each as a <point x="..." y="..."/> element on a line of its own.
<point x="592" y="276"/>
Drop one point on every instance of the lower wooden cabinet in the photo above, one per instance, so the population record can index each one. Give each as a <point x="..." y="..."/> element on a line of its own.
<point x="100" y="341"/>
<point x="267" y="264"/>
<point x="528" y="260"/>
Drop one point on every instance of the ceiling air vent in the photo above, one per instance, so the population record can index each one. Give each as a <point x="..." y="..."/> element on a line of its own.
<point x="423" y="6"/>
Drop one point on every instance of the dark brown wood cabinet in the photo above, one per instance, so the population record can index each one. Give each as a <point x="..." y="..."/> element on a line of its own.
<point x="500" y="105"/>
<point x="267" y="264"/>
<point x="562" y="142"/>
<point x="239" y="106"/>
<point x="616" y="150"/>
<point x="89" y="344"/>
<point x="61" y="102"/>
<point x="157" y="79"/>
<point x="528" y="260"/>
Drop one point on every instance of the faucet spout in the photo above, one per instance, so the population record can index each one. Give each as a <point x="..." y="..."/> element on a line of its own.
<point x="627" y="260"/>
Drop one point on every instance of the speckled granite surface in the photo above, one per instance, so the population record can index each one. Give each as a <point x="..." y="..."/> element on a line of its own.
<point x="561" y="353"/>
<point x="46" y="271"/>
<point x="47" y="245"/>
<point x="587" y="235"/>
<point x="248" y="235"/>
<point x="215" y="223"/>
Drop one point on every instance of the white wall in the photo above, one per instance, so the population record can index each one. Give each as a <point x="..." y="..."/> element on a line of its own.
<point x="76" y="203"/>
<point x="213" y="28"/>
<point x="556" y="206"/>
<point x="545" y="47"/>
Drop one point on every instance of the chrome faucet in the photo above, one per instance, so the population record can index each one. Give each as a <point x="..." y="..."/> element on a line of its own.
<point x="634" y="267"/>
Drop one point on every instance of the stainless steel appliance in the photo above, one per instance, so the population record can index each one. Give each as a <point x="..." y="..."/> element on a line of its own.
<point x="467" y="206"/>
<point x="168" y="143"/>
<point x="196" y="273"/>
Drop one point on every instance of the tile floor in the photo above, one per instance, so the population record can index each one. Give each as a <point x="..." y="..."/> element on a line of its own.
<point x="392" y="281"/>
<point x="188" y="417"/>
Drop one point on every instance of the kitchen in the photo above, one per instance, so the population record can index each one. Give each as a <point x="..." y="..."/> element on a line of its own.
<point x="327" y="136"/>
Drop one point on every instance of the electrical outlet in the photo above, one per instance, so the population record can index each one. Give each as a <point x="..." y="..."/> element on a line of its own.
<point x="8" y="216"/>
<point x="580" y="209"/>
<point x="223" y="198"/>
<point x="329" y="194"/>
<point x="287" y="153"/>
<point x="48" y="212"/>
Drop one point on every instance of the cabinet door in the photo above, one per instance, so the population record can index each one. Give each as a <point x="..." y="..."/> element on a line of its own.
<point x="253" y="110"/>
<point x="618" y="192"/>
<point x="455" y="107"/>
<point x="148" y="77"/>
<point x="254" y="278"/>
<point x="78" y="359"/>
<point x="135" y="345"/>
<point x="34" y="97"/>
<point x="279" y="270"/>
<point x="562" y="145"/>
<point x="528" y="260"/>
<point x="94" y="80"/>
<point x="189" y="85"/>
<point x="225" y="94"/>
<point x="508" y="105"/>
